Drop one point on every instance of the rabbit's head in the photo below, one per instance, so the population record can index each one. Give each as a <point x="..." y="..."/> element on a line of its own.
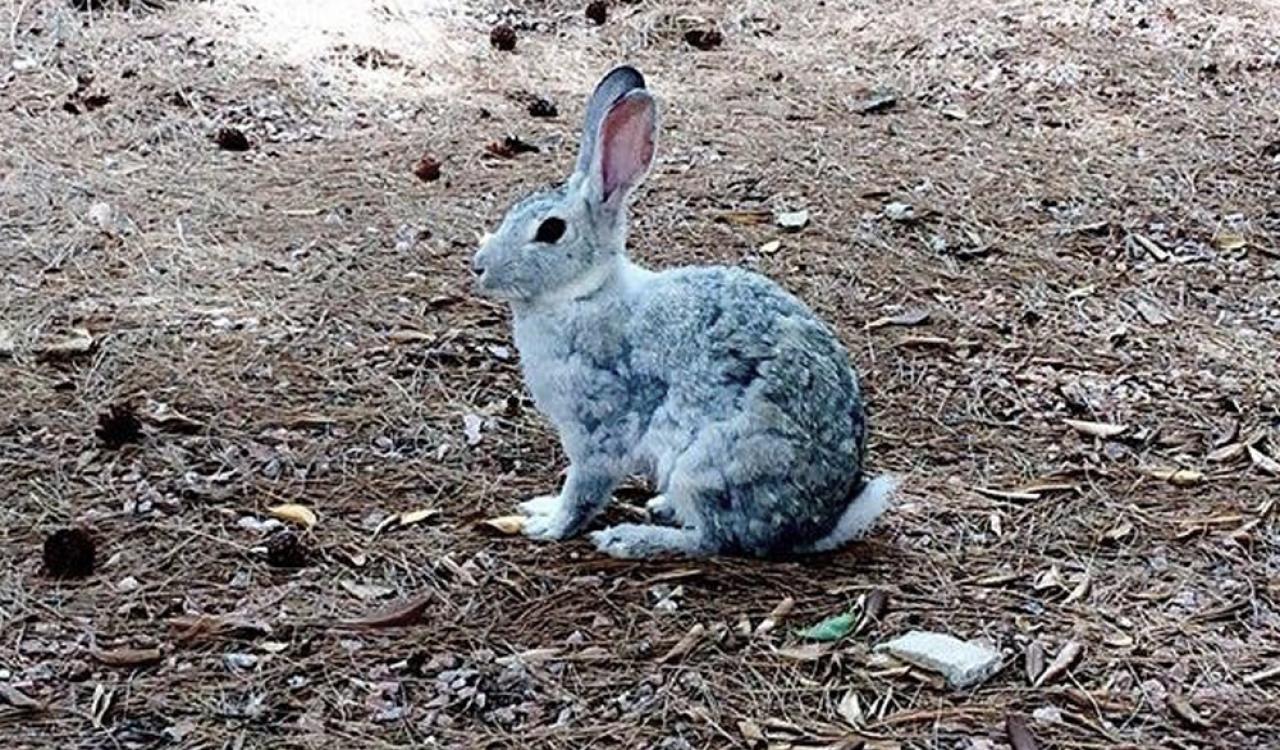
<point x="564" y="241"/>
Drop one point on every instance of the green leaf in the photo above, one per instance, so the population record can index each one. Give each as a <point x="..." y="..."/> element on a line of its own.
<point x="832" y="628"/>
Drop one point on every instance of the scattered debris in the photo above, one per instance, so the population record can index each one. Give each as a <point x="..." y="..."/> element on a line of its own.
<point x="294" y="513"/>
<point x="287" y="550"/>
<point x="232" y="139"/>
<point x="126" y="657"/>
<point x="118" y="426"/>
<point x="79" y="341"/>
<point x="399" y="614"/>
<point x="69" y="553"/>
<point x="471" y="424"/>
<point x="597" y="11"/>
<point x="1263" y="462"/>
<point x="1177" y="477"/>
<point x="900" y="212"/>
<point x="503" y="37"/>
<point x="542" y="107"/>
<point x="506" y="525"/>
<point x="1103" y="430"/>
<point x="793" y="221"/>
<point x="914" y="317"/>
<point x="780" y="611"/>
<point x="1185" y="711"/>
<point x="1020" y="737"/>
<point x="18" y="699"/>
<point x="878" y="103"/>
<point x="685" y="644"/>
<point x="510" y="147"/>
<point x="427" y="168"/>
<point x="703" y="39"/>
<point x="831" y="629"/>
<point x="1033" y="661"/>
<point x="963" y="663"/>
<point x="1060" y="664"/>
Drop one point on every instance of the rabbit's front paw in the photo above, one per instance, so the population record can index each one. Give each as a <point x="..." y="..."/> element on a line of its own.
<point x="546" y="505"/>
<point x="546" y="526"/>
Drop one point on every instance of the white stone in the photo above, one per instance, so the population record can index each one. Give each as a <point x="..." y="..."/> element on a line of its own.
<point x="963" y="663"/>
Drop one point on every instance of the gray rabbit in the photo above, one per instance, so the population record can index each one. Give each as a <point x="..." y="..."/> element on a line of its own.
<point x="726" y="390"/>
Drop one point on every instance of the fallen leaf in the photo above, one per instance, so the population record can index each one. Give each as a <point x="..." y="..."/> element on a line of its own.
<point x="1033" y="661"/>
<point x="508" y="525"/>
<point x="1119" y="640"/>
<point x="830" y="629"/>
<point x="126" y="657"/>
<point x="1177" y="477"/>
<point x="1102" y="430"/>
<point x="914" y="317"/>
<point x="366" y="591"/>
<point x="685" y="644"/>
<point x="1020" y="736"/>
<point x="1264" y="462"/>
<point x="793" y="221"/>
<point x="408" y="518"/>
<point x="294" y="513"/>
<point x="1080" y="591"/>
<point x="780" y="611"/>
<point x="405" y="612"/>
<point x="1061" y="663"/>
<point x="850" y="709"/>
<point x="1186" y="712"/>
<point x="18" y="699"/>
<point x="78" y="341"/>
<point x="770" y="247"/>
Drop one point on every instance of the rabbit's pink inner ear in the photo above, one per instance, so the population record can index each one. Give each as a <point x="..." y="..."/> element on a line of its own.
<point x="627" y="140"/>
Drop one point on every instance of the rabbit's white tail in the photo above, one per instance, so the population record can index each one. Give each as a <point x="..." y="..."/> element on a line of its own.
<point x="863" y="510"/>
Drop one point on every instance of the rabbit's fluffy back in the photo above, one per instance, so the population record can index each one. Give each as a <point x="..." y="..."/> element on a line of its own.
<point x="716" y="372"/>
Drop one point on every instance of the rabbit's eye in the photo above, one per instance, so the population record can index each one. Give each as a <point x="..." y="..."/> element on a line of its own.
<point x="550" y="231"/>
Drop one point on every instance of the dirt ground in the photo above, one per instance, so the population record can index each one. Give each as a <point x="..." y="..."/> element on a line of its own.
<point x="1021" y="214"/>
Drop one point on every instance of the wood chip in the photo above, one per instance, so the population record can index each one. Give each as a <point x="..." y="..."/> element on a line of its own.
<point x="1060" y="664"/>
<point x="126" y="657"/>
<point x="79" y="341"/>
<point x="1103" y="430"/>
<point x="779" y="612"/>
<point x="685" y="644"/>
<point x="406" y="612"/>
<point x="1020" y="736"/>
<point x="910" y="318"/>
<point x="18" y="699"/>
<point x="1263" y="675"/>
<point x="1033" y="661"/>
<point x="508" y="525"/>
<point x="1184" y="710"/>
<point x="1151" y="246"/>
<point x="1264" y="462"/>
<point x="1177" y="477"/>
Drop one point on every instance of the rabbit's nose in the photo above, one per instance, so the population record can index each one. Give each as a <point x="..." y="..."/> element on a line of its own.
<point x="477" y="268"/>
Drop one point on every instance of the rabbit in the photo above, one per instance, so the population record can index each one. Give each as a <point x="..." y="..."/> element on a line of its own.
<point x="725" y="390"/>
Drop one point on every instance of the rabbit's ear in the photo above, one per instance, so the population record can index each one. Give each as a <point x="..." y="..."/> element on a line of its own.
<point x="626" y="147"/>
<point x="616" y="84"/>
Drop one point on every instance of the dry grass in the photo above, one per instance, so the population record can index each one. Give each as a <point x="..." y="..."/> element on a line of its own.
<point x="305" y="304"/>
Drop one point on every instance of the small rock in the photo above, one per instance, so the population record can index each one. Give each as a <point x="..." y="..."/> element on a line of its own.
<point x="471" y="425"/>
<point x="240" y="661"/>
<point x="963" y="664"/>
<point x="897" y="211"/>
<point x="128" y="585"/>
<point x="1047" y="715"/>
<point x="793" y="221"/>
<point x="102" y="216"/>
